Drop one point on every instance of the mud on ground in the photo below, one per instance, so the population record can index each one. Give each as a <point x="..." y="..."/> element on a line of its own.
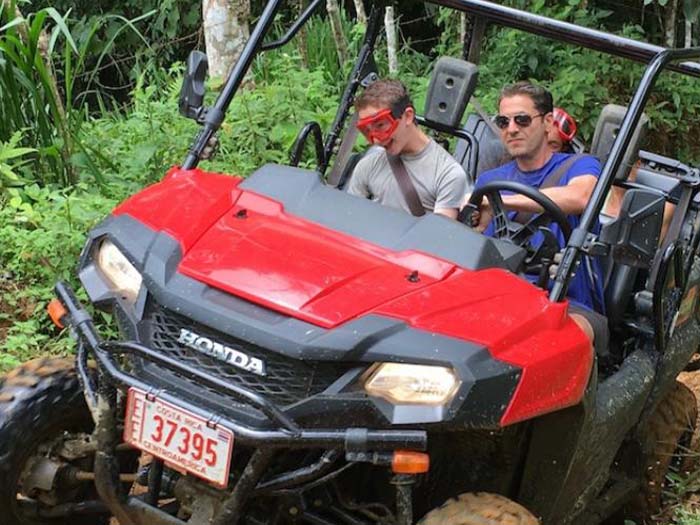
<point x="12" y="311"/>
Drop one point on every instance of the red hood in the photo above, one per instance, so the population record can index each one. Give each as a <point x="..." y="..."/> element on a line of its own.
<point x="258" y="252"/>
<point x="246" y="244"/>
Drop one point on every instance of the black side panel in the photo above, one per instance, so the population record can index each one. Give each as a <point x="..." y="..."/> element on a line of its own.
<point x="572" y="452"/>
<point x="304" y="195"/>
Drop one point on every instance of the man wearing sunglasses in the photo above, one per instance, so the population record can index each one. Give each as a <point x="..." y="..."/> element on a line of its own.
<point x="386" y="118"/>
<point x="526" y="121"/>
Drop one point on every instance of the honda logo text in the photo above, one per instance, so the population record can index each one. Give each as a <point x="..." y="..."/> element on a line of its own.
<point x="223" y="353"/>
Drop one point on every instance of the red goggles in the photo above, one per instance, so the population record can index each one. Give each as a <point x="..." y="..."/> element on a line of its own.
<point x="378" y="127"/>
<point x="565" y="123"/>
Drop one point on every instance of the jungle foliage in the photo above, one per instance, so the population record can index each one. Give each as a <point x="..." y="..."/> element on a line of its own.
<point x="105" y="124"/>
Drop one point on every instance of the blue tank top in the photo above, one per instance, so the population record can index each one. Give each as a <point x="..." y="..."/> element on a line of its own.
<point x="586" y="287"/>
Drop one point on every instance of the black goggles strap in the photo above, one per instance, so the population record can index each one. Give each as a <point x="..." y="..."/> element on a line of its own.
<point x="399" y="107"/>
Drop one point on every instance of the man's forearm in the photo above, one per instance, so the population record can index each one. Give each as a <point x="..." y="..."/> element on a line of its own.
<point x="570" y="205"/>
<point x="448" y="212"/>
<point x="572" y="199"/>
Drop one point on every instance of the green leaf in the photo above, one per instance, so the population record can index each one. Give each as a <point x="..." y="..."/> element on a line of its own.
<point x="12" y="23"/>
<point x="61" y="23"/>
<point x="14" y="153"/>
<point x="532" y="63"/>
<point x="8" y="173"/>
<point x="691" y="9"/>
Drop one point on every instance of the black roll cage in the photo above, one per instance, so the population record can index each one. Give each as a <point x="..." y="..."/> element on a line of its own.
<point x="482" y="12"/>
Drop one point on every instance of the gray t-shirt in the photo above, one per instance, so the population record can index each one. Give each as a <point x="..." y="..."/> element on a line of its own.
<point x="439" y="180"/>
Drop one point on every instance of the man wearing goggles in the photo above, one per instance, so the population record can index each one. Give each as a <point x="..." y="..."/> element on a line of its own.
<point x="562" y="132"/>
<point x="386" y="118"/>
<point x="526" y="121"/>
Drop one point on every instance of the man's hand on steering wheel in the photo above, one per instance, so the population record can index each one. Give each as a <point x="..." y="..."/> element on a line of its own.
<point x="486" y="205"/>
<point x="487" y="201"/>
<point x="482" y="216"/>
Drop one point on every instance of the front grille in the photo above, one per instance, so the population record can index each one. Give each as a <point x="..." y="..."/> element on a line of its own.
<point x="286" y="381"/>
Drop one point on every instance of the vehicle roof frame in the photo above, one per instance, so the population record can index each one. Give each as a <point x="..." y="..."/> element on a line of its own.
<point x="657" y="59"/>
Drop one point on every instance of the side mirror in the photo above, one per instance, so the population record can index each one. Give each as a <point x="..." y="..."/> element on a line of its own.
<point x="633" y="237"/>
<point x="191" y="100"/>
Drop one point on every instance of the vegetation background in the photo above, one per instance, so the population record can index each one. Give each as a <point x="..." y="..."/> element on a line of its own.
<point x="70" y="150"/>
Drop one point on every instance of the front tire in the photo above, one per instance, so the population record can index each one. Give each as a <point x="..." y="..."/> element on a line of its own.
<point x="691" y="379"/>
<point x="42" y="406"/>
<point x="479" y="508"/>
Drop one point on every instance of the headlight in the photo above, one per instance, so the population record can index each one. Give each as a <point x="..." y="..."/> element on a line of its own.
<point x="122" y="276"/>
<point x="414" y="384"/>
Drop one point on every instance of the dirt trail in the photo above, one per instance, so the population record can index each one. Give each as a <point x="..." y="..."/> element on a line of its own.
<point x="12" y="311"/>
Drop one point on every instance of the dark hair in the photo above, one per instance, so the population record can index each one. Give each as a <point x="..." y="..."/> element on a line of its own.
<point x="539" y="95"/>
<point x="385" y="93"/>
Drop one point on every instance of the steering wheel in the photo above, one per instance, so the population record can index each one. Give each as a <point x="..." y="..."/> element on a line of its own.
<point x="539" y="257"/>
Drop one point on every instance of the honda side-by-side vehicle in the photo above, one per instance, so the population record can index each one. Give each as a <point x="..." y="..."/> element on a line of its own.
<point x="289" y="353"/>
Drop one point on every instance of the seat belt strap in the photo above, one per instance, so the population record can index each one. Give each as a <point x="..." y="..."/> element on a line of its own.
<point x="408" y="190"/>
<point x="552" y="180"/>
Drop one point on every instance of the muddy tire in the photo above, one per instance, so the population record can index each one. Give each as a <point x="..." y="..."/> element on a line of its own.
<point x="479" y="508"/>
<point x="692" y="380"/>
<point x="668" y="436"/>
<point x="40" y="402"/>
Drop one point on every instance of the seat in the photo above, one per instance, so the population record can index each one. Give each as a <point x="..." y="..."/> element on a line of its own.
<point x="606" y="131"/>
<point x="491" y="152"/>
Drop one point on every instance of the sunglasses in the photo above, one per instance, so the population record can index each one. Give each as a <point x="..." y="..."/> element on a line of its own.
<point x="522" y="120"/>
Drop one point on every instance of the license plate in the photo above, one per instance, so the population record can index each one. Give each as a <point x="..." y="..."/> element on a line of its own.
<point x="185" y="441"/>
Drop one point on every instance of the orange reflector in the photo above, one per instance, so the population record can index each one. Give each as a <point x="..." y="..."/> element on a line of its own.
<point x="410" y="462"/>
<point x="56" y="312"/>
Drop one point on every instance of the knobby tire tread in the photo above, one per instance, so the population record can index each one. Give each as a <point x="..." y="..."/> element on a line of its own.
<point x="691" y="379"/>
<point x="36" y="399"/>
<point x="674" y="416"/>
<point x="479" y="508"/>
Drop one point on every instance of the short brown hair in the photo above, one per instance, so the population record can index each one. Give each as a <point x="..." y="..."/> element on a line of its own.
<point x="387" y="93"/>
<point x="539" y="95"/>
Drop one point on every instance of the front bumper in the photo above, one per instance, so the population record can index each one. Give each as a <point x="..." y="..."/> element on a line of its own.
<point x="282" y="431"/>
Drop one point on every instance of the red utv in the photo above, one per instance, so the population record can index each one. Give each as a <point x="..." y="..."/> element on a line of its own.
<point x="293" y="354"/>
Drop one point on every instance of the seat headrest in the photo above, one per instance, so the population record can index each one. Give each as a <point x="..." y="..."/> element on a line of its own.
<point x="451" y="86"/>
<point x="606" y="131"/>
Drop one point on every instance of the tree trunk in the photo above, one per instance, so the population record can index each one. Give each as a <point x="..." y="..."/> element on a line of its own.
<point x="341" y="44"/>
<point x="225" y="33"/>
<point x="301" y="38"/>
<point x="361" y="13"/>
<point x="462" y="28"/>
<point x="670" y="13"/>
<point x="391" y="45"/>
<point x="688" y="33"/>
